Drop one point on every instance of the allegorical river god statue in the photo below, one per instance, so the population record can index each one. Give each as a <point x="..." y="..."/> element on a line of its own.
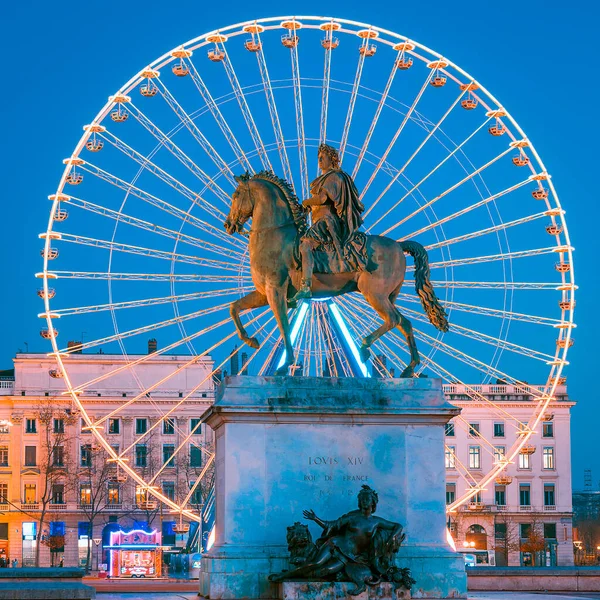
<point x="358" y="547"/>
<point x="290" y="261"/>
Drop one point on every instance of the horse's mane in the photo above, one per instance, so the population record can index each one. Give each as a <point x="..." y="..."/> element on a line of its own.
<point x="298" y="212"/>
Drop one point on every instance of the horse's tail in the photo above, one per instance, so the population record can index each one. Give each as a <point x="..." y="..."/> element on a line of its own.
<point x="434" y="310"/>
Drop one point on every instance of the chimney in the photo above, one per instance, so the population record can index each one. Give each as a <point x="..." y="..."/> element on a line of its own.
<point x="75" y="347"/>
<point x="234" y="362"/>
<point x="152" y="346"/>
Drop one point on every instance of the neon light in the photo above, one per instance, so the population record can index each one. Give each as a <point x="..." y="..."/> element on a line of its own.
<point x="110" y="562"/>
<point x="211" y="538"/>
<point x="335" y="311"/>
<point x="295" y="330"/>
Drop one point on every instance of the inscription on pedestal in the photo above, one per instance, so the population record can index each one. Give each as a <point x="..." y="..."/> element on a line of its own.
<point x="346" y="470"/>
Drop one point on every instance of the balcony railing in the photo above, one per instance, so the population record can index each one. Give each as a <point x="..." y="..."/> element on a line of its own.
<point x="58" y="506"/>
<point x="4" y="507"/>
<point x="113" y="507"/>
<point x="30" y="506"/>
<point x="550" y="507"/>
<point x="501" y="507"/>
<point x="525" y="508"/>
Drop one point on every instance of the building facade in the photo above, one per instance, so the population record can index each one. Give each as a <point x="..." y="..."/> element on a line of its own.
<point x="56" y="483"/>
<point x="525" y="516"/>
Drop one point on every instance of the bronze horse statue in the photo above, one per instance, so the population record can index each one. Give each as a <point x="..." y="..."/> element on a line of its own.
<point x="277" y="222"/>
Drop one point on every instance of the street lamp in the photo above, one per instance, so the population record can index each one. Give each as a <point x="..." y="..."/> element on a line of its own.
<point x="97" y="543"/>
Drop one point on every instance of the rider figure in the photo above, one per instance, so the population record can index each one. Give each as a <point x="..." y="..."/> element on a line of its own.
<point x="335" y="211"/>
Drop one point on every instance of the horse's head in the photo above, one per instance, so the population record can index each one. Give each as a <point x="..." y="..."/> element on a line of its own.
<point x="242" y="205"/>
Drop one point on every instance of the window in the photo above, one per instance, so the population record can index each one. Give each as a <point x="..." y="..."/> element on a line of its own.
<point x="196" y="495"/>
<point x="58" y="455"/>
<point x="550" y="531"/>
<point x="114" y="495"/>
<point x="114" y="426"/>
<point x="498" y="429"/>
<point x="141" y="455"/>
<point x="168" y="452"/>
<point x="524" y="461"/>
<point x="450" y="457"/>
<point x="474" y="457"/>
<point x="195" y="456"/>
<point x="3" y="492"/>
<point x="473" y="429"/>
<point x="86" y="455"/>
<point x="196" y="426"/>
<point x="499" y="454"/>
<point x="59" y="426"/>
<point x="3" y="456"/>
<point x="58" y="494"/>
<point x="85" y="494"/>
<point x="4" y="428"/>
<point x="524" y="495"/>
<point x="168" y="488"/>
<point x="30" y="426"/>
<point x="549" y="495"/>
<point x="476" y="498"/>
<point x="525" y="530"/>
<point x="82" y="426"/>
<point x="30" y="456"/>
<point x="141" y="426"/>
<point x="548" y="457"/>
<point x="30" y="495"/>
<point x="450" y="429"/>
<point x="450" y="493"/>
<point x="548" y="429"/>
<point x="500" y="531"/>
<point x="169" y="426"/>
<point x="500" y="496"/>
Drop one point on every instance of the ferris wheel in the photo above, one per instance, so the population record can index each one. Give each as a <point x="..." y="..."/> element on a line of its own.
<point x="136" y="223"/>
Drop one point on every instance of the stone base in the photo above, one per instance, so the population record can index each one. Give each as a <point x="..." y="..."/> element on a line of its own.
<point x="439" y="572"/>
<point x="313" y="590"/>
<point x="230" y="573"/>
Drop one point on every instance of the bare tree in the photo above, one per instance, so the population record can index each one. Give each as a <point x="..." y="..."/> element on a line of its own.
<point x="507" y="535"/>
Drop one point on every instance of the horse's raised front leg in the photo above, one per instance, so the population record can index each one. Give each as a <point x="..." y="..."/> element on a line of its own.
<point x="252" y="300"/>
<point x="276" y="297"/>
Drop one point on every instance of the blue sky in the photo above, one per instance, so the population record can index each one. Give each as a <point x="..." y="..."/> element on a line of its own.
<point x="63" y="60"/>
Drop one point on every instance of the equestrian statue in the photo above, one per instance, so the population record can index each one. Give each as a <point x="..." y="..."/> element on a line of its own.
<point x="291" y="261"/>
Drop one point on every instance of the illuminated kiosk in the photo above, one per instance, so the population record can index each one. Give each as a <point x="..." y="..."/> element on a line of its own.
<point x="135" y="553"/>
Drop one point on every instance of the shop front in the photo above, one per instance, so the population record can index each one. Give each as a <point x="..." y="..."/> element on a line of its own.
<point x="134" y="554"/>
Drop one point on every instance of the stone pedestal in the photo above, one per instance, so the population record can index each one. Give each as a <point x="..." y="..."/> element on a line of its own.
<point x="284" y="444"/>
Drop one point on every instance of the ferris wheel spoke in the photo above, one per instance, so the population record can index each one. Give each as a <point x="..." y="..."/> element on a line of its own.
<point x="273" y="113"/>
<point x="407" y="163"/>
<point x="380" y="105"/>
<point x="352" y="103"/>
<point x="164" y="140"/>
<point x="218" y="116"/>
<point x="150" y="252"/>
<point x="439" y="165"/>
<point x="191" y="126"/>
<point x="151" y="227"/>
<point x="200" y="384"/>
<point x="325" y="90"/>
<point x="145" y="329"/>
<point x="487" y="446"/>
<point x="474" y="260"/>
<point x="161" y="204"/>
<point x="199" y="479"/>
<point x="469" y="177"/>
<point x="246" y="113"/>
<point x="93" y="308"/>
<point x="486" y="339"/>
<point x="161" y="174"/>
<point x="299" y="120"/>
<point x="169" y="277"/>
<point x="492" y="285"/>
<point x="487" y="231"/>
<point x="400" y="129"/>
<point x="488" y="312"/>
<point x="142" y="359"/>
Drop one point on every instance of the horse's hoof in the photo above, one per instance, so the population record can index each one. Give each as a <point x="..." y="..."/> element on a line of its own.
<point x="407" y="373"/>
<point x="253" y="343"/>
<point x="365" y="353"/>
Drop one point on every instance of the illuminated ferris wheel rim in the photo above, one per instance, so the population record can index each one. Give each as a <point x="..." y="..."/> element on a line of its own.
<point x="381" y="36"/>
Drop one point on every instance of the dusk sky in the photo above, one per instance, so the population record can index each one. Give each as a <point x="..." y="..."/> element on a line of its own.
<point x="63" y="59"/>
